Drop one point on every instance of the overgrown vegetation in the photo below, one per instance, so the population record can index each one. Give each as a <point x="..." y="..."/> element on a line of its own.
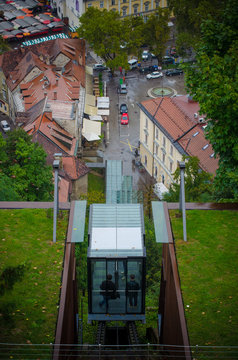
<point x="208" y="273"/>
<point x="24" y="175"/>
<point x="30" y="279"/>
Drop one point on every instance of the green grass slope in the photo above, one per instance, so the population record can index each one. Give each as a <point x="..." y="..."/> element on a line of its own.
<point x="30" y="275"/>
<point x="208" y="269"/>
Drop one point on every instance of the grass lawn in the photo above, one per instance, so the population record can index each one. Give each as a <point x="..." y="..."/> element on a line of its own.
<point x="30" y="268"/>
<point x="208" y="269"/>
<point x="96" y="180"/>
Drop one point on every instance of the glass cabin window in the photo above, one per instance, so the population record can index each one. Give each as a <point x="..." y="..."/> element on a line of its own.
<point x="116" y="286"/>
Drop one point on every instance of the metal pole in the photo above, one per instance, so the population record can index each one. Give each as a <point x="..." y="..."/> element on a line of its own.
<point x="55" y="167"/>
<point x="182" y="198"/>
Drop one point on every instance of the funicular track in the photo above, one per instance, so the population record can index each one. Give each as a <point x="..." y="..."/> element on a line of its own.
<point x="118" y="342"/>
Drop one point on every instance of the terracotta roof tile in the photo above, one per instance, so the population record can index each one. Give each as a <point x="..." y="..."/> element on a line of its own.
<point x="74" y="167"/>
<point x="176" y="117"/>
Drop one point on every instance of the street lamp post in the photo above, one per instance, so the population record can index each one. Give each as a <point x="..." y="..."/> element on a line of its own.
<point x="56" y="164"/>
<point x="182" y="198"/>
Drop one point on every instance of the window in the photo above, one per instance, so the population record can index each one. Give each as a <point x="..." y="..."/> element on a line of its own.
<point x="101" y="4"/>
<point x="212" y="155"/>
<point x="3" y="81"/>
<point x="147" y="6"/>
<point x="156" y="150"/>
<point x="156" y="4"/>
<point x="205" y="146"/>
<point x="145" y="160"/>
<point x="124" y="11"/>
<point x="89" y="5"/>
<point x="196" y="133"/>
<point x="164" y="142"/>
<point x="170" y="166"/>
<point x="162" y="178"/>
<point x="156" y="172"/>
<point x="135" y="9"/>
<point x="124" y="1"/>
<point x="4" y="94"/>
<point x="171" y="150"/>
<point x="157" y="133"/>
<point x="146" y="139"/>
<point x="113" y="2"/>
<point x="163" y="157"/>
<point x="146" y="123"/>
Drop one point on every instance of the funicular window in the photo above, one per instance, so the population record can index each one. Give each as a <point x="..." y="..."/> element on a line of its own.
<point x="116" y="286"/>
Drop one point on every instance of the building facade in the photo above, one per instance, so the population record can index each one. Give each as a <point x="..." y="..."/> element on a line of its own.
<point x="70" y="10"/>
<point x="128" y="7"/>
<point x="169" y="129"/>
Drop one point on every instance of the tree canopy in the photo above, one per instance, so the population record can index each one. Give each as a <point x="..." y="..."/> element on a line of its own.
<point x="189" y="16"/>
<point x="113" y="38"/>
<point x="198" y="183"/>
<point x="23" y="170"/>
<point x="156" y="33"/>
<point x="105" y="33"/>
<point x="213" y="82"/>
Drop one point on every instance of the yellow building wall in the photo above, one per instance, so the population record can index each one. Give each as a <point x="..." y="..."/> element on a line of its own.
<point x="161" y="154"/>
<point x="129" y="4"/>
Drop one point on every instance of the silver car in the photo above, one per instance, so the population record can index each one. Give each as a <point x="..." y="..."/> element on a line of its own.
<point x="5" y="126"/>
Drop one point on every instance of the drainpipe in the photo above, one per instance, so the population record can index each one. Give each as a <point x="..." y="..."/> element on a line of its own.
<point x="182" y="198"/>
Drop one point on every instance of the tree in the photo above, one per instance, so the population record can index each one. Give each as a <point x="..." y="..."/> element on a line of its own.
<point x="105" y="33"/>
<point x="198" y="183"/>
<point x="23" y="166"/>
<point x="156" y="33"/>
<point x="189" y="16"/>
<point x="213" y="83"/>
<point x="3" y="44"/>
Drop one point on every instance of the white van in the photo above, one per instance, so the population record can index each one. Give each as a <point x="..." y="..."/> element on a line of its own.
<point x="133" y="63"/>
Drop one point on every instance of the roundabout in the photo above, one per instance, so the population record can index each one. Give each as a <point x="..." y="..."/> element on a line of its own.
<point x="159" y="91"/>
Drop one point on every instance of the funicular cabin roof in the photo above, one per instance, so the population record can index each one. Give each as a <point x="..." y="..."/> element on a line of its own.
<point x="116" y="231"/>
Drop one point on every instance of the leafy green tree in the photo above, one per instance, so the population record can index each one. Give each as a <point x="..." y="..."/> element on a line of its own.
<point x="24" y="164"/>
<point x="198" y="183"/>
<point x="3" y="45"/>
<point x="213" y="83"/>
<point x="189" y="16"/>
<point x="7" y="191"/>
<point x="105" y="33"/>
<point x="156" y="32"/>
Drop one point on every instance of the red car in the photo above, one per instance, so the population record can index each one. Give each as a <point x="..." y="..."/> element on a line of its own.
<point x="124" y="119"/>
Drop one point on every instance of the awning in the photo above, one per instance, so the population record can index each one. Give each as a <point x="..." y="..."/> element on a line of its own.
<point x="90" y="110"/>
<point x="95" y="118"/>
<point x="91" y="130"/>
<point x="90" y="100"/>
<point x="89" y="70"/>
<point x="103" y="112"/>
<point x="103" y="102"/>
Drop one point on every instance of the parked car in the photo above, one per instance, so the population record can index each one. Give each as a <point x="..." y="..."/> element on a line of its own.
<point x="124" y="119"/>
<point x="148" y="69"/>
<point x="167" y="60"/>
<point x="123" y="109"/>
<point x="145" y="55"/>
<point x="173" y="72"/>
<point x="99" y="67"/>
<point x="5" y="126"/>
<point x="122" y="89"/>
<point x="154" y="75"/>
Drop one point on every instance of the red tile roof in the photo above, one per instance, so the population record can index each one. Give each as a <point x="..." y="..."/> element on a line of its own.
<point x="175" y="117"/>
<point x="74" y="167"/>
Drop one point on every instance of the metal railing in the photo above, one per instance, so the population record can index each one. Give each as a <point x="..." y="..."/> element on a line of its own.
<point x="140" y="351"/>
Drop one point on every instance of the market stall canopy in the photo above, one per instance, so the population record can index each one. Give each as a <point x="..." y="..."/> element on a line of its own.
<point x="90" y="110"/>
<point x="91" y="130"/>
<point x="95" y="118"/>
<point x="90" y="100"/>
<point x="103" y="112"/>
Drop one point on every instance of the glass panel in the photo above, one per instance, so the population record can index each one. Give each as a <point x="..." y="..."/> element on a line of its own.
<point x="134" y="286"/>
<point x="98" y="275"/>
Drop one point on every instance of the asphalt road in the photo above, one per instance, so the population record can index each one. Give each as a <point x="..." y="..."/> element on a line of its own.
<point x="123" y="139"/>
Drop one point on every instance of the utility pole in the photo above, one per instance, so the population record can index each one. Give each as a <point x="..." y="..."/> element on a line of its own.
<point x="56" y="164"/>
<point x="182" y="198"/>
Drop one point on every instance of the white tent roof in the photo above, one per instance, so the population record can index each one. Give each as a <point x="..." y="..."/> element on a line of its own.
<point x="95" y="117"/>
<point x="91" y="130"/>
